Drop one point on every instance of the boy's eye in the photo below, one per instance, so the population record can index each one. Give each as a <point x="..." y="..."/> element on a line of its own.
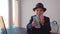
<point x="37" y="10"/>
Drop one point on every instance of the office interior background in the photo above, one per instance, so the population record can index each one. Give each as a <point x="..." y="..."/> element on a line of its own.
<point x="16" y="13"/>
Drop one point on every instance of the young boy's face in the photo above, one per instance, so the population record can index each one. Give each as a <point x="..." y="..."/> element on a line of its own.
<point x="39" y="11"/>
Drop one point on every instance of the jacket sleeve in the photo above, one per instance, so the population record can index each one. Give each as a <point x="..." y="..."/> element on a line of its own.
<point x="49" y="27"/>
<point x="29" y="25"/>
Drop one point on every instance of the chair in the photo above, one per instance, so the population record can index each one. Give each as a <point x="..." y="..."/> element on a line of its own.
<point x="2" y="26"/>
<point x="54" y="27"/>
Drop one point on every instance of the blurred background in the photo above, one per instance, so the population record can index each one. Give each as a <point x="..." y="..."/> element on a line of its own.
<point x="17" y="13"/>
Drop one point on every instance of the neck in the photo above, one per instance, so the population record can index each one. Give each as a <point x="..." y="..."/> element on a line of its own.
<point x="40" y="15"/>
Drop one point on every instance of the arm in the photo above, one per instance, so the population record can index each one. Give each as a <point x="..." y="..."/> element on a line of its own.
<point x="32" y="23"/>
<point x="29" y="25"/>
<point x="49" y="25"/>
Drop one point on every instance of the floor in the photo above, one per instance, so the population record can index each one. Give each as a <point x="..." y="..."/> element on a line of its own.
<point x="14" y="31"/>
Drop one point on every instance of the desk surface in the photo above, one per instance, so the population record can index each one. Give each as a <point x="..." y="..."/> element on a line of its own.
<point x="20" y="31"/>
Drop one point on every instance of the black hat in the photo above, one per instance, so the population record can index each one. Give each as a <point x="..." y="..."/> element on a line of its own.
<point x="39" y="5"/>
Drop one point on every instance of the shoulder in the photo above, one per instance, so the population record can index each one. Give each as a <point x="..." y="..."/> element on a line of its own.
<point x="47" y="18"/>
<point x="33" y="16"/>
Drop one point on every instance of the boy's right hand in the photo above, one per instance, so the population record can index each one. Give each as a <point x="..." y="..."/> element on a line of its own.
<point x="34" y="23"/>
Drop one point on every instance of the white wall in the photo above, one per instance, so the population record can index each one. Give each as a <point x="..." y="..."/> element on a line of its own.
<point x="53" y="10"/>
<point x="26" y="11"/>
<point x="4" y="11"/>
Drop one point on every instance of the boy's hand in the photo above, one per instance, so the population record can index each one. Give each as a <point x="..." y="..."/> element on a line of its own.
<point x="34" y="23"/>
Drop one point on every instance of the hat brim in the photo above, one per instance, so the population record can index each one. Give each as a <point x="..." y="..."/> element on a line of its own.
<point x="39" y="7"/>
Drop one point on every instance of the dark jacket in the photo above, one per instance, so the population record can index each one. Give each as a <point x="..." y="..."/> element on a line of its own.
<point x="43" y="30"/>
